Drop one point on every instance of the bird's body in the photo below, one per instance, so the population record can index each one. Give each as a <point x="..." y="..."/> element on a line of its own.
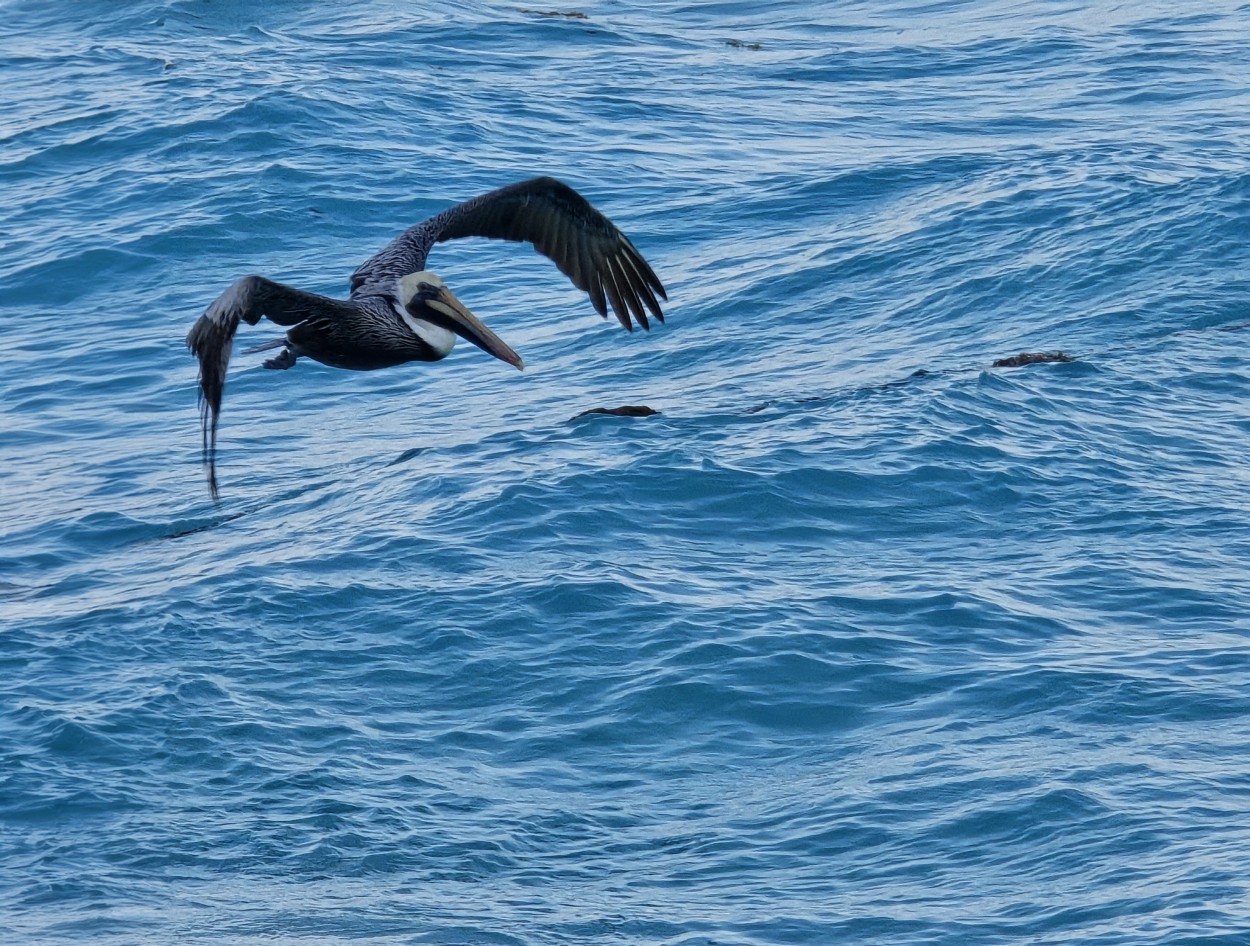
<point x="398" y="312"/>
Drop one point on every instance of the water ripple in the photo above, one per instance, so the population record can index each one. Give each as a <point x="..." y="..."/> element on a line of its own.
<point x="860" y="639"/>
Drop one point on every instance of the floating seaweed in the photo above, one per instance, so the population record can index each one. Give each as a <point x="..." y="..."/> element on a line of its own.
<point x="567" y="14"/>
<point x="1033" y="358"/>
<point x="628" y="410"/>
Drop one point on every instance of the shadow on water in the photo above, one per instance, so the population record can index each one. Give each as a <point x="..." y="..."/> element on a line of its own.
<point x="201" y="527"/>
<point x="214" y="522"/>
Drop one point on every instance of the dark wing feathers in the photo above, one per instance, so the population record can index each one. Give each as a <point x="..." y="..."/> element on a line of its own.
<point x="560" y="223"/>
<point x="211" y="339"/>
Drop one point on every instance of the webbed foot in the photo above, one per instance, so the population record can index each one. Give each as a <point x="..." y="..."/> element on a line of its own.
<point x="284" y="359"/>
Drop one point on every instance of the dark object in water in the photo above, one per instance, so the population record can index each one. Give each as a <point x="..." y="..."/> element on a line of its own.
<point x="739" y="44"/>
<point x="570" y="14"/>
<point x="629" y="410"/>
<point x="1033" y="358"/>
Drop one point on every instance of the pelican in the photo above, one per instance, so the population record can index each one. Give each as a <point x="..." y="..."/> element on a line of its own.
<point x="398" y="311"/>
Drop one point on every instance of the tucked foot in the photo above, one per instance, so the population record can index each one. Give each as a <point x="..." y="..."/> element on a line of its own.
<point x="284" y="359"/>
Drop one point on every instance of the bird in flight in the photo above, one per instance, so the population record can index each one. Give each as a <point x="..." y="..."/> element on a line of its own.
<point x="398" y="311"/>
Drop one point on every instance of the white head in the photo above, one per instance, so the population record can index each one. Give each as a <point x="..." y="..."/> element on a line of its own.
<point x="432" y="311"/>
<point x="411" y="284"/>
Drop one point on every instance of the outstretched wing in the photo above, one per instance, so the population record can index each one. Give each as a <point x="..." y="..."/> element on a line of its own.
<point x="560" y="223"/>
<point x="211" y="339"/>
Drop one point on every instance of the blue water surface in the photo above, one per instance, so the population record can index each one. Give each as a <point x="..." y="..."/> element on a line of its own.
<point x="860" y="640"/>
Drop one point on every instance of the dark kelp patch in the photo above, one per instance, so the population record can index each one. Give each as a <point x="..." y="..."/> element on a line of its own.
<point x="1033" y="358"/>
<point x="567" y="14"/>
<point x="627" y="410"/>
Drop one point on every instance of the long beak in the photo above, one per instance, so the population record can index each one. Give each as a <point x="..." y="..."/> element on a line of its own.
<point x="467" y="325"/>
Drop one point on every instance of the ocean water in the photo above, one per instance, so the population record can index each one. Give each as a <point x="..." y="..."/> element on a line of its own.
<point x="860" y="639"/>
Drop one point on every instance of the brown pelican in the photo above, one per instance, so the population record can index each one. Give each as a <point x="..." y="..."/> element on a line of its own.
<point x="398" y="311"/>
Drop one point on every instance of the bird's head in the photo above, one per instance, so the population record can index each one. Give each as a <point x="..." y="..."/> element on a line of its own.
<point x="424" y="296"/>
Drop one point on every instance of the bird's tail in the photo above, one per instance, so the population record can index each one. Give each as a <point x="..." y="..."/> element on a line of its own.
<point x="266" y="346"/>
